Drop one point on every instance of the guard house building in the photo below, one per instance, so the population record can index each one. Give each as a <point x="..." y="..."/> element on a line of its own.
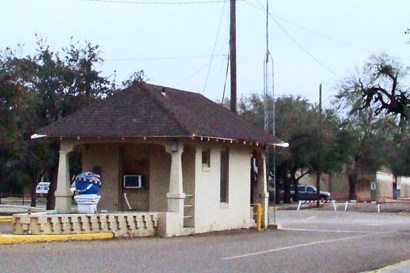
<point x="168" y="151"/>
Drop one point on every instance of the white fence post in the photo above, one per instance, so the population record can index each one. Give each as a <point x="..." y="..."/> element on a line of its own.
<point x="299" y="205"/>
<point x="334" y="205"/>
<point x="346" y="205"/>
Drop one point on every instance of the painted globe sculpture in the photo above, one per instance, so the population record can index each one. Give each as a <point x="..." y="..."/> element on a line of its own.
<point x="87" y="183"/>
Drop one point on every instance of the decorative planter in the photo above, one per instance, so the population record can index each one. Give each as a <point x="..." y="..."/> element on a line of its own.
<point x="87" y="185"/>
<point x="87" y="203"/>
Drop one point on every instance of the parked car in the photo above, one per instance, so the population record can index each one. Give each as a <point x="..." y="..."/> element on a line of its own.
<point x="305" y="192"/>
<point x="42" y="189"/>
<point x="308" y="192"/>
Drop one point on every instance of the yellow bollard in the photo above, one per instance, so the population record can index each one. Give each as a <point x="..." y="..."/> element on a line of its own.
<point x="258" y="216"/>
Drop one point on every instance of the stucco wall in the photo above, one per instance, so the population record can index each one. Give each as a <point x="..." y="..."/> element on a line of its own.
<point x="210" y="213"/>
<point x="403" y="183"/>
<point x="188" y="172"/>
<point x="136" y="162"/>
<point x="384" y="186"/>
<point x="105" y="156"/>
<point x="363" y="189"/>
<point x="325" y="181"/>
<point x="338" y="185"/>
<point x="160" y="166"/>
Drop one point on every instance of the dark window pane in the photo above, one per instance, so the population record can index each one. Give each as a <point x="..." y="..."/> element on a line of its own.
<point x="224" y="176"/>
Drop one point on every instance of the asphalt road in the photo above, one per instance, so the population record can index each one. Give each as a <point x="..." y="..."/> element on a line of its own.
<point x="309" y="241"/>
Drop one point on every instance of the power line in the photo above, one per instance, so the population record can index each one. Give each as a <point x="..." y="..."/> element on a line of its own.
<point x="294" y="40"/>
<point x="213" y="50"/>
<point x="165" y="58"/>
<point x="159" y="3"/>
<point x="226" y="79"/>
<point x="304" y="49"/>
<point x="314" y="32"/>
<point x="323" y="36"/>
<point x="198" y="70"/>
<point x="193" y="74"/>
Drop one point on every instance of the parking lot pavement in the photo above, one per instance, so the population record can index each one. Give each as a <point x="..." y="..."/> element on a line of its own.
<point x="391" y="206"/>
<point x="342" y="221"/>
<point x="373" y="226"/>
<point x="307" y="241"/>
<point x="231" y="251"/>
<point x="8" y="208"/>
<point x="402" y="267"/>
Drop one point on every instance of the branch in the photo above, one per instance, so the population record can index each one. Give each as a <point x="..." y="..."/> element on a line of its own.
<point x="303" y="174"/>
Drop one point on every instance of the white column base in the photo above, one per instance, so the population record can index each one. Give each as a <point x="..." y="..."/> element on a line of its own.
<point x="63" y="202"/>
<point x="87" y="203"/>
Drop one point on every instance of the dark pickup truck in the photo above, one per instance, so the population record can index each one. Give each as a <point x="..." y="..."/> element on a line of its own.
<point x="306" y="192"/>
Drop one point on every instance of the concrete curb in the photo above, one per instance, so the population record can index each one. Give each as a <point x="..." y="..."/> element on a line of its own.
<point x="402" y="266"/>
<point x="9" y="239"/>
<point x="23" y="208"/>
<point x="6" y="219"/>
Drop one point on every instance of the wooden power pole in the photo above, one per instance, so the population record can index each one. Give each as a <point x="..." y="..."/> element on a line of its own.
<point x="232" y="45"/>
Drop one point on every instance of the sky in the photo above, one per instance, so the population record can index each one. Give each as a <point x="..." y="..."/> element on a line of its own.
<point x="184" y="44"/>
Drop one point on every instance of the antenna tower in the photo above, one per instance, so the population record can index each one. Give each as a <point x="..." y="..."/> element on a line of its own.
<point x="269" y="95"/>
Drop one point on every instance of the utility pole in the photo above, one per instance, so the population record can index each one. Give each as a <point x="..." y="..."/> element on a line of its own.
<point x="319" y="152"/>
<point x="232" y="45"/>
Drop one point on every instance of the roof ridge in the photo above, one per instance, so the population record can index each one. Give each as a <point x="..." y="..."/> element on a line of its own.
<point x="166" y="109"/>
<point x="237" y="117"/>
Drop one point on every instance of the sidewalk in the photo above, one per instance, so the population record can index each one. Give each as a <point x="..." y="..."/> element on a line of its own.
<point x="401" y="267"/>
<point x="12" y="209"/>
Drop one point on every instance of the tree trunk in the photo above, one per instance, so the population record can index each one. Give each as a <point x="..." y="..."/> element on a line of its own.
<point x="35" y="179"/>
<point x="295" y="188"/>
<point x="394" y="187"/>
<point x="51" y="201"/>
<point x="286" y="193"/>
<point x="352" y="179"/>
<point x="277" y="189"/>
<point x="33" y="193"/>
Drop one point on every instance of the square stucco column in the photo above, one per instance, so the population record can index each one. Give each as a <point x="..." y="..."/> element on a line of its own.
<point x="262" y="188"/>
<point x="176" y="193"/>
<point x="62" y="194"/>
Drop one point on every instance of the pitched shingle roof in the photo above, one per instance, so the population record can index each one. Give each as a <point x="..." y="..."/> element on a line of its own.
<point x="146" y="110"/>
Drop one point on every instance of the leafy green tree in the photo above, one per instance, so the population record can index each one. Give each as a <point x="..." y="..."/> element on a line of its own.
<point x="366" y="147"/>
<point x="396" y="147"/>
<point x="297" y="123"/>
<point x="378" y="86"/>
<point x="138" y="76"/>
<point x="47" y="87"/>
<point x="375" y="104"/>
<point x="16" y="112"/>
